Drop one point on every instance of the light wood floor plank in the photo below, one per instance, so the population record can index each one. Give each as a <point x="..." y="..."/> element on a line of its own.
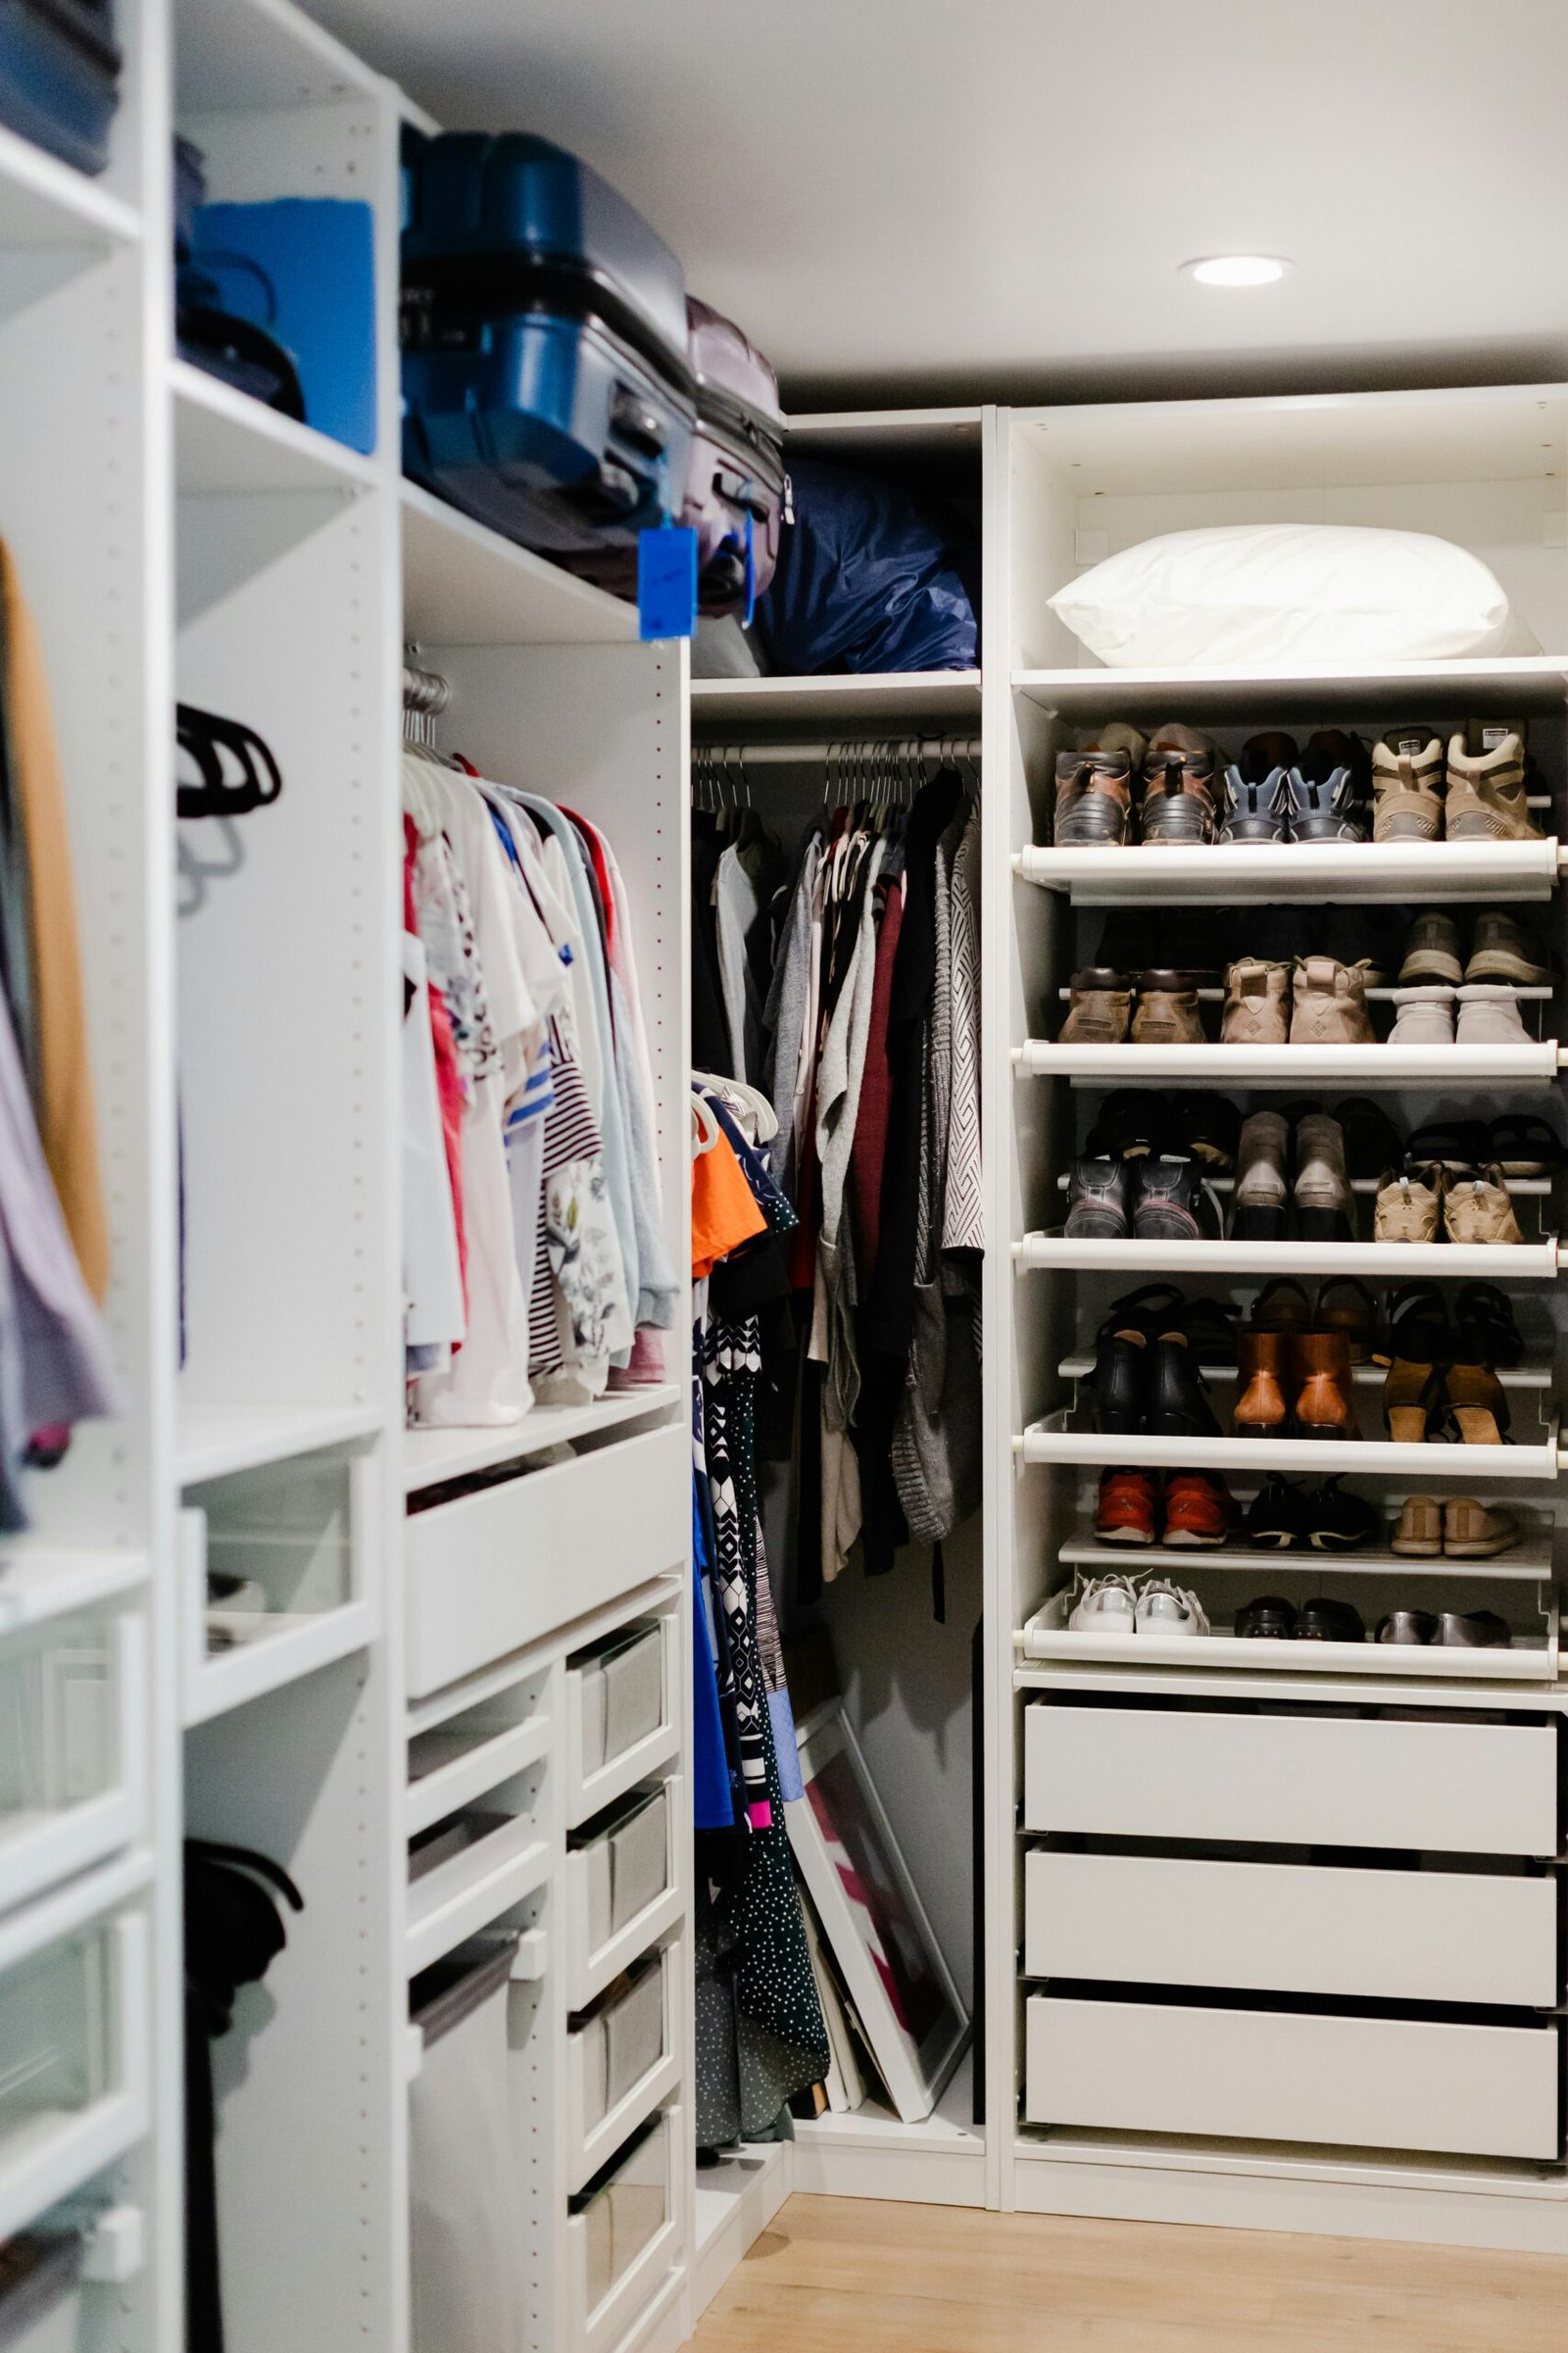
<point x="862" y="2275"/>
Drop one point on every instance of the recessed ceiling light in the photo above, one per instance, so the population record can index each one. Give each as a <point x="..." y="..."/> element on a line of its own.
<point x="1236" y="270"/>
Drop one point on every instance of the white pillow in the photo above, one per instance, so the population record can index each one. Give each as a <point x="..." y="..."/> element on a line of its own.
<point x="1272" y="596"/>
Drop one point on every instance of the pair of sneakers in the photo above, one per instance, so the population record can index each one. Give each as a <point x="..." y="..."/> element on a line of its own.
<point x="1477" y="1013"/>
<point x="1117" y="1605"/>
<point x="1275" y="793"/>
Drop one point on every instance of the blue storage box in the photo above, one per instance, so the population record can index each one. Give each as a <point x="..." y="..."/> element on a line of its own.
<point x="304" y="268"/>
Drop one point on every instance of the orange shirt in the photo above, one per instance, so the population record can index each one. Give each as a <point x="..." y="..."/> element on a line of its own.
<point x="725" y="1210"/>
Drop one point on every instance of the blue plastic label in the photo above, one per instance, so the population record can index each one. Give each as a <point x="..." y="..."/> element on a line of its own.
<point x="751" y="572"/>
<point x="666" y="582"/>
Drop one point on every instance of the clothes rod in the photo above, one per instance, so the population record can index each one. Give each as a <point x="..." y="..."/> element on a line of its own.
<point x="776" y="755"/>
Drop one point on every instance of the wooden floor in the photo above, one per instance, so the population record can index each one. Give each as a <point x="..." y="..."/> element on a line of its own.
<point x="859" y="2276"/>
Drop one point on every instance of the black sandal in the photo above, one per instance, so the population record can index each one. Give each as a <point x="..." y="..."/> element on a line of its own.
<point x="1523" y="1144"/>
<point x="1453" y="1143"/>
<point x="1418" y="1330"/>
<point x="1485" y="1332"/>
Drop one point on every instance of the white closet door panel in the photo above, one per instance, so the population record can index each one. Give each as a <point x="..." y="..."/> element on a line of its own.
<point x="1330" y="1780"/>
<point x="1402" y="1935"/>
<point x="499" y="1568"/>
<point x="1263" y="2075"/>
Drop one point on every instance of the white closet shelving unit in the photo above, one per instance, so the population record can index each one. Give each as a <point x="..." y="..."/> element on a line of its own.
<point x="1198" y="2009"/>
<point x="1169" y="2030"/>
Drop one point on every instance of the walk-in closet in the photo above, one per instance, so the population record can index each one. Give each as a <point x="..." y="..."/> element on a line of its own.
<point x="781" y="1160"/>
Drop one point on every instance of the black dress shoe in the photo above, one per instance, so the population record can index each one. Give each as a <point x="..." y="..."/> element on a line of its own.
<point x="1268" y="1619"/>
<point x="1276" y="1517"/>
<point x="1178" y="1403"/>
<point x="1098" y="1194"/>
<point x="1335" y="1522"/>
<point x="1119" y="1383"/>
<point x="1325" y="1621"/>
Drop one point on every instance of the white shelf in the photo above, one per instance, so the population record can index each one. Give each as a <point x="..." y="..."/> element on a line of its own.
<point x="1528" y="1564"/>
<point x="1503" y="684"/>
<point x="45" y="202"/>
<point x="464" y="585"/>
<point x="291" y="1648"/>
<point x="244" y="56"/>
<point x="1365" y="1376"/>
<point x="1514" y="1262"/>
<point x="1530" y="1661"/>
<point x="37" y="1583"/>
<point x="224" y="441"/>
<point x="217" y="1439"/>
<point x="735" y="2201"/>
<point x="1047" y="1442"/>
<point x="780" y="704"/>
<point x="432" y="1456"/>
<point x="1435" y="1069"/>
<point x="1228" y="874"/>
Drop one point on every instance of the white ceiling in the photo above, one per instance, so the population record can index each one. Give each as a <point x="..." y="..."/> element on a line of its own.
<point x="958" y="197"/>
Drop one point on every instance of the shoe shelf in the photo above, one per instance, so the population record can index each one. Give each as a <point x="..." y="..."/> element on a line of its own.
<point x="1521" y="992"/>
<point x="1537" y="1376"/>
<point x="1533" y="1188"/>
<point x="1054" y="1439"/>
<point x="1532" y="1658"/>
<point x="1229" y="874"/>
<point x="860" y="697"/>
<point x="1434" y="1069"/>
<point x="1517" y="1263"/>
<point x="1508" y="685"/>
<point x="1528" y="1562"/>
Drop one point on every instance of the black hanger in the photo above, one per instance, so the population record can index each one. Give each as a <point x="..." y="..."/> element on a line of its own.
<point x="208" y="739"/>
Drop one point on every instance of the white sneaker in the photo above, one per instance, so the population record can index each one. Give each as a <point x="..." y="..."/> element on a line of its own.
<point x="1425" y="1017"/>
<point x="1164" y="1608"/>
<point x="1106" y="1605"/>
<point x="1489" y="1017"/>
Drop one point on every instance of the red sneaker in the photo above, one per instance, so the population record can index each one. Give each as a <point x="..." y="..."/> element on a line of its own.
<point x="1125" y="1511"/>
<point x="1198" y="1509"/>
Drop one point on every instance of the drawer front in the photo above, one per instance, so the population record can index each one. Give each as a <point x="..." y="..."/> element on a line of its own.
<point x="1331" y="1781"/>
<point x="621" y="2242"/>
<point x="1400" y="1935"/>
<point x="1258" y="2075"/>
<point x="622" y="2062"/>
<point x="505" y="1566"/>
<point x="71" y="1745"/>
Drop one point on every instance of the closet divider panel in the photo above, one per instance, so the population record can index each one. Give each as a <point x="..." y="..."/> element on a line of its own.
<point x="309" y="2080"/>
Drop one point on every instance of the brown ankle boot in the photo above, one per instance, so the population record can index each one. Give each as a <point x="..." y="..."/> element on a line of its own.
<point x="1167" y="1012"/>
<point x="1262" y="1363"/>
<point x="1325" y="1406"/>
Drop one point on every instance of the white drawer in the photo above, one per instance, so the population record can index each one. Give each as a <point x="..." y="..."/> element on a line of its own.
<point x="622" y="2064"/>
<point x="1286" y="1928"/>
<point x="621" y="2240"/>
<point x="622" y="1711"/>
<point x="625" y="1887"/>
<point x="72" y="1744"/>
<point x="1275" y="2076"/>
<point x="459" y="1752"/>
<point x="1320" y="1780"/>
<point x="499" y="1568"/>
<point x="75" y="2033"/>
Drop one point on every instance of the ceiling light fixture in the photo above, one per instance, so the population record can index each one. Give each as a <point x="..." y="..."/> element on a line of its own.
<point x="1236" y="270"/>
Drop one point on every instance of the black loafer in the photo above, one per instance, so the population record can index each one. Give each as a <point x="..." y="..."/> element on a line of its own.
<point x="1268" y="1619"/>
<point x="1325" y="1621"/>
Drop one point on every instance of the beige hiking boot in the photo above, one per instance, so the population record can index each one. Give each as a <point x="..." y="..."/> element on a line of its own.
<point x="1477" y="1208"/>
<point x="1098" y="1009"/>
<point x="1167" y="1012"/>
<point x="1476" y="1531"/>
<point x="1329" y="1005"/>
<point x="1407" y="781"/>
<point x="1487" y="787"/>
<point x="1254" y="1002"/>
<point x="1419" y="1533"/>
<point x="1409" y="1205"/>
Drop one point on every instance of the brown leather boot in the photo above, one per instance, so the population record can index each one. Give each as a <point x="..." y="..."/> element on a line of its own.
<point x="1325" y="1406"/>
<point x="1263" y="1365"/>
<point x="1167" y="1012"/>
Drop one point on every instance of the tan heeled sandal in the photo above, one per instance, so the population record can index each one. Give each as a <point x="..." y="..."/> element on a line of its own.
<point x="1478" y="1403"/>
<point x="1409" y="1396"/>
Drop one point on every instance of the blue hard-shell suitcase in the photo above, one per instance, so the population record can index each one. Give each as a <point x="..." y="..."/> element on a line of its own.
<point x="545" y="385"/>
<point x="60" y="77"/>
